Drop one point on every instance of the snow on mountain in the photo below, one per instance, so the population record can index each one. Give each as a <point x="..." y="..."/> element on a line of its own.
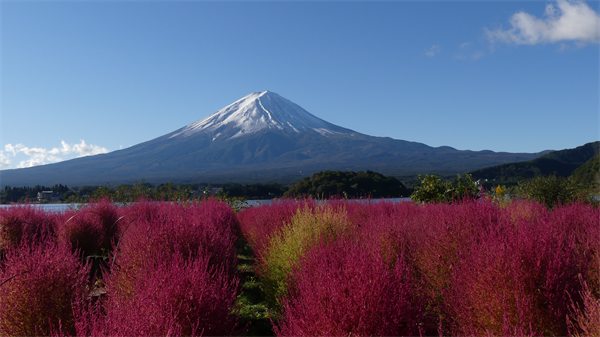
<point x="255" y="112"/>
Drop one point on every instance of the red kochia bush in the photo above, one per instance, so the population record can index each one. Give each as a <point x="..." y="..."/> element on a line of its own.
<point x="343" y="289"/>
<point x="174" y="296"/>
<point x="521" y="275"/>
<point x="41" y="281"/>
<point x="90" y="229"/>
<point x="208" y="229"/>
<point x="26" y="221"/>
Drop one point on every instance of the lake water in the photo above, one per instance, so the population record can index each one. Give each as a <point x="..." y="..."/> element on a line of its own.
<point x="253" y="203"/>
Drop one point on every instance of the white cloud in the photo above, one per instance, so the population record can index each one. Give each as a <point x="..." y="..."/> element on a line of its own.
<point x="82" y="149"/>
<point x="568" y="21"/>
<point x="39" y="159"/>
<point x="41" y="156"/>
<point x="434" y="50"/>
<point x="5" y="161"/>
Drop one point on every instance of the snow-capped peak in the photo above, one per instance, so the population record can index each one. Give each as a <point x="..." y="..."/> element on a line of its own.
<point x="255" y="112"/>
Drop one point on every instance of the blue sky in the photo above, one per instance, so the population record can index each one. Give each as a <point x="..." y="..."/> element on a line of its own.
<point x="79" y="78"/>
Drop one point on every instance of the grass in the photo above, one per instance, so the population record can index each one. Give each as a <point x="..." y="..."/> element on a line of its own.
<point x="252" y="306"/>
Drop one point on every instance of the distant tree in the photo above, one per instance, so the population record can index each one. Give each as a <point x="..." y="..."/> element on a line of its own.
<point x="349" y="184"/>
<point x="552" y="190"/>
<point x="434" y="189"/>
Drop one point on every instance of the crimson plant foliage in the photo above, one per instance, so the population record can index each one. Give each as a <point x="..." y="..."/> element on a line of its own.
<point x="517" y="272"/>
<point x="174" y="296"/>
<point x="342" y="289"/>
<point x="40" y="280"/>
<point x="208" y="229"/>
<point x="24" y="221"/>
<point x="90" y="229"/>
<point x="476" y="267"/>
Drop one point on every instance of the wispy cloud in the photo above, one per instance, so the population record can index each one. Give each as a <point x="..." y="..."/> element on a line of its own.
<point x="477" y="55"/>
<point x="434" y="50"/>
<point x="466" y="52"/>
<point x="567" y="21"/>
<point x="41" y="156"/>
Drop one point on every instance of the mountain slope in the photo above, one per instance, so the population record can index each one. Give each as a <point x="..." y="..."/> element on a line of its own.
<point x="563" y="163"/>
<point x="261" y="137"/>
<point x="589" y="172"/>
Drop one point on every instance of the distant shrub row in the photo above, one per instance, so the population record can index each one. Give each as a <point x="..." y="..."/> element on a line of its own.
<point x="549" y="190"/>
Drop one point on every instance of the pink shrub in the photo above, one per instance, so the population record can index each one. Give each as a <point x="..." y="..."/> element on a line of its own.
<point x="24" y="221"/>
<point x="208" y="229"/>
<point x="521" y="274"/>
<point x="40" y="281"/>
<point x="341" y="289"/>
<point x="174" y="296"/>
<point x="581" y="226"/>
<point x="90" y="229"/>
<point x="388" y="227"/>
<point x="435" y="239"/>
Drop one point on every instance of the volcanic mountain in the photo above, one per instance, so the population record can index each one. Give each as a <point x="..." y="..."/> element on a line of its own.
<point x="260" y="137"/>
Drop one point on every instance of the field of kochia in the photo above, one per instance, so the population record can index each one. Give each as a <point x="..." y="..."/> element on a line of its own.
<point x="471" y="268"/>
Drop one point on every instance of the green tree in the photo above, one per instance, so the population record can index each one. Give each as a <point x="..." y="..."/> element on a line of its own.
<point x="434" y="189"/>
<point x="326" y="184"/>
<point x="552" y="190"/>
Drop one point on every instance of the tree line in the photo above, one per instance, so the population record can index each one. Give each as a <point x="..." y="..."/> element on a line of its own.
<point x="22" y="194"/>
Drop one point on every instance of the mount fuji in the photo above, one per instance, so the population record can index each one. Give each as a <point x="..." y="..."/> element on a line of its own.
<point x="260" y="137"/>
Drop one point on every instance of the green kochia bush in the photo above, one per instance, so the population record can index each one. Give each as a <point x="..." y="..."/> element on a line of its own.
<point x="305" y="229"/>
<point x="260" y="224"/>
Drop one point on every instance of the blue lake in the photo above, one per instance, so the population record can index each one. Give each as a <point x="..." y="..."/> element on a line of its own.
<point x="253" y="203"/>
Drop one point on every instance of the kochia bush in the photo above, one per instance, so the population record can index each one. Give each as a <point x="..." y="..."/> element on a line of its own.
<point x="341" y="289"/>
<point x="90" y="229"/>
<point x="174" y="296"/>
<point x="24" y="221"/>
<point x="306" y="229"/>
<point x="208" y="229"/>
<point x="41" y="281"/>
<point x="260" y="224"/>
<point x="476" y="267"/>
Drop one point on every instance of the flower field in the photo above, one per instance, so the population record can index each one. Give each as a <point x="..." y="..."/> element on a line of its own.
<point x="335" y="268"/>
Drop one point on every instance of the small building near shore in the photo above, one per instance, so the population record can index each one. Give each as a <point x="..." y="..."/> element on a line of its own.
<point x="48" y="196"/>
